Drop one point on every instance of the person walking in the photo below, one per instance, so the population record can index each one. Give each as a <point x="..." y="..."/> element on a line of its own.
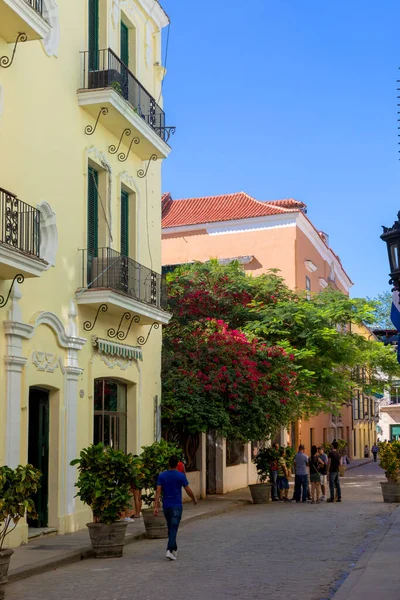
<point x="273" y="471"/>
<point x="375" y="451"/>
<point x="283" y="477"/>
<point x="315" y="464"/>
<point x="323" y="469"/>
<point x="169" y="485"/>
<point x="301" y="475"/>
<point x="333" y="473"/>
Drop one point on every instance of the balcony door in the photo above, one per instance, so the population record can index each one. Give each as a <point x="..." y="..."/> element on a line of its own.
<point x="38" y="450"/>
<point x="92" y="221"/>
<point x="93" y="35"/>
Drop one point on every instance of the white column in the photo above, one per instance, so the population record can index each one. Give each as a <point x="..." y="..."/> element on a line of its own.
<point x="13" y="366"/>
<point x="71" y="409"/>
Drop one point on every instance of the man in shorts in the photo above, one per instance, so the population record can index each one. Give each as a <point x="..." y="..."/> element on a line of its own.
<point x="322" y="456"/>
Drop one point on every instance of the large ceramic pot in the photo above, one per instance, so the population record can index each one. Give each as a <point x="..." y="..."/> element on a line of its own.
<point x="107" y="540"/>
<point x="156" y="527"/>
<point x="260" y="492"/>
<point x="5" y="556"/>
<point x="390" y="491"/>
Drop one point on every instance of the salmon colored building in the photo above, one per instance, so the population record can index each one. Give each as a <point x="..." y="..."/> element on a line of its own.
<point x="260" y="235"/>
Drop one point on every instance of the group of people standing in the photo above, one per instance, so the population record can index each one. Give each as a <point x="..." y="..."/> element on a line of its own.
<point x="320" y="470"/>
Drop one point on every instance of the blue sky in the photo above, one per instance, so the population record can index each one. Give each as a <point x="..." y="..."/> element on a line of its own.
<point x="291" y="98"/>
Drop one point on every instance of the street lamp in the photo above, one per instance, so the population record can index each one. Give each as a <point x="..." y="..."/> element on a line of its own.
<point x="391" y="235"/>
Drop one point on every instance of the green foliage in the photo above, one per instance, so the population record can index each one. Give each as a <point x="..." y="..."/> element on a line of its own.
<point x="383" y="305"/>
<point x="265" y="458"/>
<point x="155" y="459"/>
<point x="117" y="87"/>
<point x="389" y="458"/>
<point x="290" y="453"/>
<point x="105" y="480"/>
<point x="17" y="486"/>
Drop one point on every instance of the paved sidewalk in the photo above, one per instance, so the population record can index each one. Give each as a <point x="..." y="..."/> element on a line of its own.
<point x="359" y="462"/>
<point x="377" y="574"/>
<point x="49" y="552"/>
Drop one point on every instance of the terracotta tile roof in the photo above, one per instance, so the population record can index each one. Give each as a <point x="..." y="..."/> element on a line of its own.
<point x="211" y="209"/>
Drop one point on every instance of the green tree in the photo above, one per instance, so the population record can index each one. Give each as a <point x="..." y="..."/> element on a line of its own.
<point x="383" y="304"/>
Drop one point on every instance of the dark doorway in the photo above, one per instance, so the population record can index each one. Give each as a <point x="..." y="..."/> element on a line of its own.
<point x="38" y="450"/>
<point x="211" y="462"/>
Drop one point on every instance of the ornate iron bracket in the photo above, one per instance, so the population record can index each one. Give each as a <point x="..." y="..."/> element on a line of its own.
<point x="141" y="341"/>
<point x="89" y="129"/>
<point x="19" y="279"/>
<point x="114" y="149"/>
<point x="119" y="333"/>
<point x="5" y="61"/>
<point x="88" y="326"/>
<point x="142" y="173"/>
<point x="165" y="132"/>
<point x="123" y="157"/>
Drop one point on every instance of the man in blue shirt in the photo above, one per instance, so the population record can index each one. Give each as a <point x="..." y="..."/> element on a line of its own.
<point x="170" y="484"/>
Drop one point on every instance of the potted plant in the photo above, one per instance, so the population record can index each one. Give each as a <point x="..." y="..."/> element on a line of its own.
<point x="389" y="458"/>
<point x="17" y="486"/>
<point x="261" y="491"/>
<point x="342" y="449"/>
<point x="104" y="483"/>
<point x="155" y="460"/>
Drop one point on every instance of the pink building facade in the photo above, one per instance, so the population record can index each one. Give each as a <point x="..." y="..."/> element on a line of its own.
<point x="262" y="236"/>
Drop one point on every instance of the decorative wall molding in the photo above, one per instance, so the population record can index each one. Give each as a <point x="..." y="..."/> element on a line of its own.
<point x="310" y="266"/>
<point x="51" y="320"/>
<point x="323" y="283"/>
<point x="116" y="361"/>
<point x="45" y="361"/>
<point x="115" y="13"/>
<point x="51" y="41"/>
<point x="48" y="234"/>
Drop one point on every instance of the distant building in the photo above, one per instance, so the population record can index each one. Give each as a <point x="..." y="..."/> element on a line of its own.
<point x="389" y="407"/>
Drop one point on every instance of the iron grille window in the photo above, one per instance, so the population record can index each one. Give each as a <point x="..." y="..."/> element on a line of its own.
<point x="110" y="413"/>
<point x="235" y="453"/>
<point x="395" y="394"/>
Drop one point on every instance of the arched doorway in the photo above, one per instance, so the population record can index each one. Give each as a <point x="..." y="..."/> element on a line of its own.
<point x="38" y="450"/>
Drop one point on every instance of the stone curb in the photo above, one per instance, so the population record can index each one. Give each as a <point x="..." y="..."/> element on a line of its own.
<point x="350" y="466"/>
<point x="72" y="556"/>
<point x="347" y="587"/>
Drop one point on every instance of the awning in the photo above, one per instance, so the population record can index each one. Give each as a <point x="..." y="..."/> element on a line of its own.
<point x="116" y="349"/>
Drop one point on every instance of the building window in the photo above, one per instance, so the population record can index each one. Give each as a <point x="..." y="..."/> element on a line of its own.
<point x="93" y="35"/>
<point x="308" y="287"/>
<point x="395" y="394"/>
<point x="93" y="213"/>
<point x="110" y="414"/>
<point x="235" y="453"/>
<point x="124" y="223"/>
<point x="124" y="44"/>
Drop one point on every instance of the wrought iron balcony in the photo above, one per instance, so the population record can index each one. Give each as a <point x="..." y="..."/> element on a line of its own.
<point x="22" y="20"/>
<point x="106" y="269"/>
<point x="19" y="224"/>
<point x="104" y="69"/>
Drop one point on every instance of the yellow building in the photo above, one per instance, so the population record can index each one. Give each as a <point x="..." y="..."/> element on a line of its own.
<point x="82" y="138"/>
<point x="365" y="410"/>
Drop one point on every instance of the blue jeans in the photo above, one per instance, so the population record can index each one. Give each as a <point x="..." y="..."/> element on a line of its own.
<point x="334" y="483"/>
<point x="173" y="517"/>
<point x="300" y="481"/>
<point x="274" y="489"/>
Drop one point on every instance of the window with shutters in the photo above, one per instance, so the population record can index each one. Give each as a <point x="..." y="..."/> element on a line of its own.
<point x="124" y="223"/>
<point x="93" y="35"/>
<point x="124" y="44"/>
<point x="93" y="212"/>
<point x="110" y="413"/>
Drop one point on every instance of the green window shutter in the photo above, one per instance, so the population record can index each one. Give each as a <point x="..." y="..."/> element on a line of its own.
<point x="93" y="213"/>
<point x="124" y="44"/>
<point x="124" y="223"/>
<point x="93" y="35"/>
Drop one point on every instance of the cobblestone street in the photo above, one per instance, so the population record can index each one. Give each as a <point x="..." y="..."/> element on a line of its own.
<point x="292" y="551"/>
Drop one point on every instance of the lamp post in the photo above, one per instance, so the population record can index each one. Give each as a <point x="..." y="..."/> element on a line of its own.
<point x="391" y="235"/>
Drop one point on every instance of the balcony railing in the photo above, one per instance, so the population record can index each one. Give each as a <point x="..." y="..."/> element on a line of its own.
<point x="108" y="269"/>
<point x="104" y="69"/>
<point x="19" y="224"/>
<point x="37" y="5"/>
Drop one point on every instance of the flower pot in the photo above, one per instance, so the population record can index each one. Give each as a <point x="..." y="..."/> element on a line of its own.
<point x="5" y="556"/>
<point x="107" y="540"/>
<point x="390" y="491"/>
<point x="156" y="527"/>
<point x="260" y="492"/>
<point x="342" y="470"/>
